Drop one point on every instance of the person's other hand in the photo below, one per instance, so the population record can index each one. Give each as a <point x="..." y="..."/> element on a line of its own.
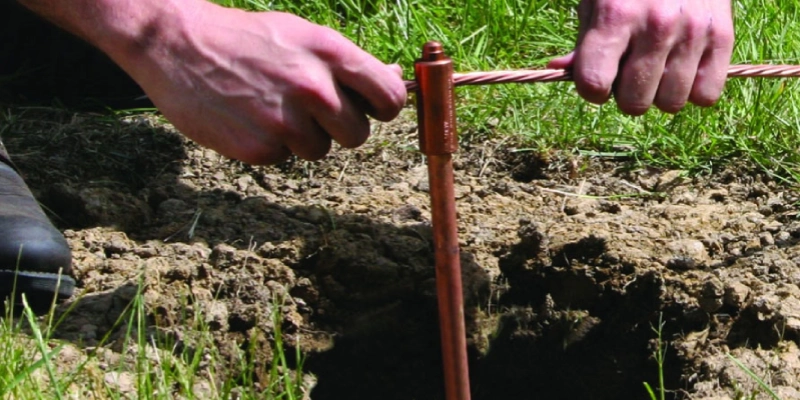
<point x="649" y="52"/>
<point x="259" y="86"/>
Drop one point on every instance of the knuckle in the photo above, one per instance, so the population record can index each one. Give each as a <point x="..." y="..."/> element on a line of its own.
<point x="721" y="36"/>
<point x="331" y="46"/>
<point x="308" y="86"/>
<point x="662" y="24"/>
<point x="614" y="13"/>
<point x="311" y="91"/>
<point x="695" y="29"/>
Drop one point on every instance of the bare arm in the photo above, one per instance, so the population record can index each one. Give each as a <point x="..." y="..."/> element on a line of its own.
<point x="253" y="86"/>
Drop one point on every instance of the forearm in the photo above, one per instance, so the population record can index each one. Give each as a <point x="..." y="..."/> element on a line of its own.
<point x="120" y="28"/>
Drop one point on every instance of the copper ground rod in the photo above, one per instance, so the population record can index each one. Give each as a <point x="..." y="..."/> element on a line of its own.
<point x="434" y="84"/>
<point x="556" y="75"/>
<point x="438" y="141"/>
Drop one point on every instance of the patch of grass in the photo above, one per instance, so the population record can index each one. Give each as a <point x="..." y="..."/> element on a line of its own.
<point x="150" y="365"/>
<point x="756" y="120"/>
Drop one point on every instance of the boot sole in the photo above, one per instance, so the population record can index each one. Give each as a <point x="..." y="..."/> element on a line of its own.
<point x="39" y="287"/>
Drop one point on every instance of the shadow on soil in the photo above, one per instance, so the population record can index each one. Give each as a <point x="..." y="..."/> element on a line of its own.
<point x="559" y="335"/>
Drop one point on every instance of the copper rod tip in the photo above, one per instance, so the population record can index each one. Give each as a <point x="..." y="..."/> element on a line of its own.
<point x="433" y="51"/>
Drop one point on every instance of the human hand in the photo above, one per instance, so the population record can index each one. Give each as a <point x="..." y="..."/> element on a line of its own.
<point x="259" y="86"/>
<point x="651" y="52"/>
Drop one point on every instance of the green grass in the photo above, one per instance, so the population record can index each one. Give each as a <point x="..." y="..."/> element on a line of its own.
<point x="150" y="366"/>
<point x="761" y="384"/>
<point x="659" y="354"/>
<point x="756" y="120"/>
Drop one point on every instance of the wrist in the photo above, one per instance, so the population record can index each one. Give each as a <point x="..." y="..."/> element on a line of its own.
<point x="128" y="30"/>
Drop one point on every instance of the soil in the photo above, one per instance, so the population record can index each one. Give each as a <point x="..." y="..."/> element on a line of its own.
<point x="569" y="263"/>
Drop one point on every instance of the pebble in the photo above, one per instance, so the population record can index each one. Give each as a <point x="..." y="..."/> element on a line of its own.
<point x="736" y="295"/>
<point x="711" y="296"/>
<point x="766" y="239"/>
<point x="216" y="315"/>
<point x="123" y="382"/>
<point x="686" y="254"/>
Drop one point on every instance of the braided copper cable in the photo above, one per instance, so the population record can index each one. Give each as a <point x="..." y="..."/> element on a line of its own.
<point x="554" y="75"/>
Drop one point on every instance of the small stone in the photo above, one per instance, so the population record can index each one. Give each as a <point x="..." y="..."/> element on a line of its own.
<point x="243" y="182"/>
<point x="408" y="212"/>
<point x="754" y="244"/>
<point x="727" y="237"/>
<point x="117" y="245"/>
<point x="290" y="184"/>
<point x="773" y="226"/>
<point x="669" y="180"/>
<point x="711" y="296"/>
<point x="423" y="185"/>
<point x="786" y="392"/>
<point x="717" y="195"/>
<point x="790" y="314"/>
<point x="686" y="254"/>
<point x="575" y="206"/>
<point x="736" y="295"/>
<point x="400" y="187"/>
<point x="462" y="191"/>
<point x="766" y="239"/>
<point x="216" y="316"/>
<point x="146" y="251"/>
<point x="783" y="236"/>
<point x="123" y="382"/>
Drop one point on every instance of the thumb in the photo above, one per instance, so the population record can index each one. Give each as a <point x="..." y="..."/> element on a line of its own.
<point x="563" y="62"/>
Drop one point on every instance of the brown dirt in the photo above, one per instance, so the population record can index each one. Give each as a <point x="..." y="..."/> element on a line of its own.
<point x="568" y="264"/>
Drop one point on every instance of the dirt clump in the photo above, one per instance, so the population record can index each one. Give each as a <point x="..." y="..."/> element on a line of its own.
<point x="566" y="274"/>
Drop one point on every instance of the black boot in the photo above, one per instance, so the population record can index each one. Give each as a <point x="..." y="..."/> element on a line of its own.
<point x="35" y="259"/>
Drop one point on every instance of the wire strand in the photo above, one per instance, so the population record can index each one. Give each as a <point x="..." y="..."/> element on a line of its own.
<point x="557" y="75"/>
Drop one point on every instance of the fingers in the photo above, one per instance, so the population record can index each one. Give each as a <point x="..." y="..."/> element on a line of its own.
<point x="679" y="75"/>
<point x="380" y="84"/>
<point x="317" y="111"/>
<point x="333" y="99"/>
<point x="711" y="77"/>
<point x="713" y="68"/>
<point x="596" y="63"/>
<point x="642" y="72"/>
<point x="306" y="139"/>
<point x="340" y="116"/>
<point x="651" y="52"/>
<point x="230" y="135"/>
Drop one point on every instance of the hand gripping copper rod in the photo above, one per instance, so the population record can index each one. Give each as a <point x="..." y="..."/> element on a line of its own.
<point x="438" y="141"/>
